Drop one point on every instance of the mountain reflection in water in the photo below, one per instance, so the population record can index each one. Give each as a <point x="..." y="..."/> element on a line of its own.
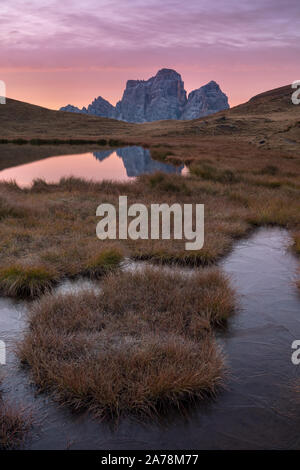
<point x="137" y="161"/>
<point x="122" y="164"/>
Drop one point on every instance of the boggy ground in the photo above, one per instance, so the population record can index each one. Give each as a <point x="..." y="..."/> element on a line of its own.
<point x="47" y="232"/>
<point x="244" y="166"/>
<point x="141" y="343"/>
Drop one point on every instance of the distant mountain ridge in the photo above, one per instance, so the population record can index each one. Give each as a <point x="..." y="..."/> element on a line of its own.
<point x="159" y="98"/>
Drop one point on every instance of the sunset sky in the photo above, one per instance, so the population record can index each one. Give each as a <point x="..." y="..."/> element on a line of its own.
<point x="59" y="52"/>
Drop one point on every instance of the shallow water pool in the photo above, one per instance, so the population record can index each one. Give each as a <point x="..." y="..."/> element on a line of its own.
<point x="123" y="164"/>
<point x="258" y="409"/>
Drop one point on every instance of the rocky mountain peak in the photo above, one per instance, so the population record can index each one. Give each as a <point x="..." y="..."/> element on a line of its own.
<point x="208" y="99"/>
<point x="168" y="74"/>
<point x="160" y="97"/>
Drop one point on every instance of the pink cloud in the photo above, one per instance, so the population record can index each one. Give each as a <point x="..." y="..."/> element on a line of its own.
<point x="53" y="53"/>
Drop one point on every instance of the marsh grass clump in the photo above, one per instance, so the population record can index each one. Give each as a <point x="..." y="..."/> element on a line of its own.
<point x="15" y="423"/>
<point x="142" y="343"/>
<point x="53" y="224"/>
<point x="296" y="249"/>
<point x="296" y="243"/>
<point x="19" y="141"/>
<point x="268" y="208"/>
<point x="66" y="141"/>
<point x="7" y="209"/>
<point x="104" y="262"/>
<point x="274" y="184"/>
<point x="116" y="143"/>
<point x="26" y="281"/>
<point x="203" y="257"/>
<point x="161" y="153"/>
<point x="269" y="170"/>
<point x="209" y="172"/>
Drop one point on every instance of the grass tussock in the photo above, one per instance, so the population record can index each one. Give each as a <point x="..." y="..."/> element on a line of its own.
<point x="104" y="262"/>
<point x="11" y="210"/>
<point x="296" y="243"/>
<point x="15" y="423"/>
<point x="203" y="257"/>
<point x="161" y="153"/>
<point x="53" y="225"/>
<point x="26" y="281"/>
<point x="165" y="183"/>
<point x="296" y="249"/>
<point x="38" y="141"/>
<point x="142" y="343"/>
<point x="209" y="172"/>
<point x="269" y="170"/>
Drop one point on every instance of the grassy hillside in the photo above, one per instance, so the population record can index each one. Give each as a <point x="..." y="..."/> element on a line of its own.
<point x="268" y="122"/>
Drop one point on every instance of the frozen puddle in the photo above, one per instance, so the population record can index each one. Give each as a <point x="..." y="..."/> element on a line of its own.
<point x="78" y="285"/>
<point x="258" y="408"/>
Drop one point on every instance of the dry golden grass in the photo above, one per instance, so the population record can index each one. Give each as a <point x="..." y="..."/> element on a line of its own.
<point x="103" y="262"/>
<point x="296" y="242"/>
<point x="296" y="249"/>
<point x="21" y="281"/>
<point x="245" y="168"/>
<point x="47" y="232"/>
<point x="266" y="126"/>
<point x="12" y="155"/>
<point x="142" y="343"/>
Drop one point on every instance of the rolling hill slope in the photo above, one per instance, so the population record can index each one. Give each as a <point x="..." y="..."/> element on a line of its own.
<point x="268" y="121"/>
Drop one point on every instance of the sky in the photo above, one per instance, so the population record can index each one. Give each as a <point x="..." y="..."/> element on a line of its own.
<point x="56" y="52"/>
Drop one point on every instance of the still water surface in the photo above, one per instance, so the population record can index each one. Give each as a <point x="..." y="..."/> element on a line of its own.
<point x="122" y="164"/>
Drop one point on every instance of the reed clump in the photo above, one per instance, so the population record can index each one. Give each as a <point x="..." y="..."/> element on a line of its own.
<point x="142" y="343"/>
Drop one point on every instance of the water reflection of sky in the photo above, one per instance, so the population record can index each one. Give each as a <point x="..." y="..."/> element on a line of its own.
<point x="257" y="409"/>
<point x="120" y="165"/>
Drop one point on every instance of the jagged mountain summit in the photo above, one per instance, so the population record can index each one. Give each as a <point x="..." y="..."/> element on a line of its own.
<point x="137" y="161"/>
<point x="208" y="99"/>
<point x="161" y="97"/>
<point x="99" y="107"/>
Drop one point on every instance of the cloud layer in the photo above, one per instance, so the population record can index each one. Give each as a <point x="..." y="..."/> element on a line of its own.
<point x="53" y="52"/>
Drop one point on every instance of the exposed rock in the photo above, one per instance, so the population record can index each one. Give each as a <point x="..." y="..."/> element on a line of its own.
<point x="161" y="97"/>
<point x="208" y="99"/>
<point x="73" y="109"/>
